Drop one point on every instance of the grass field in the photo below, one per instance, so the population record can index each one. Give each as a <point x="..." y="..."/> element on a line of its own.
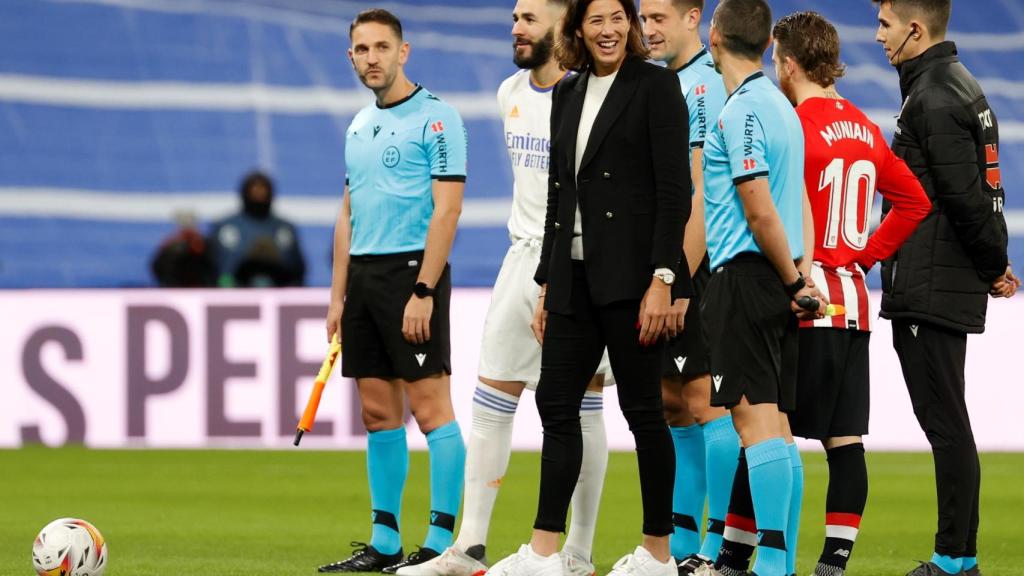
<point x="183" y="513"/>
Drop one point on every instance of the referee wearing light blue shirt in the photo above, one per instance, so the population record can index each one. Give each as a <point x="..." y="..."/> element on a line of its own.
<point x="754" y="207"/>
<point x="405" y="157"/>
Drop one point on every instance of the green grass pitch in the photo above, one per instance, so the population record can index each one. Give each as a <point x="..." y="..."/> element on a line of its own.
<point x="282" y="513"/>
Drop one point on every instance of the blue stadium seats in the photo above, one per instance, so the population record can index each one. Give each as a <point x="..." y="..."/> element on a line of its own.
<point x="114" y="113"/>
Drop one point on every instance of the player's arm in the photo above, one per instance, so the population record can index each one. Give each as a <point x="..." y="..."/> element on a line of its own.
<point x="339" y="268"/>
<point x="694" y="240"/>
<point x="441" y="232"/>
<point x="765" y="224"/>
<point x="446" y="149"/>
<point x="952" y="154"/>
<point x="909" y="205"/>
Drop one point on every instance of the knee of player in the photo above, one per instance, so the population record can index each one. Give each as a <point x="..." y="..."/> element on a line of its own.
<point x="676" y="413"/>
<point x="378" y="417"/>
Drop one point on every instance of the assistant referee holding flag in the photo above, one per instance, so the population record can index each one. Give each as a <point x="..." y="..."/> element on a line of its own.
<point x="405" y="156"/>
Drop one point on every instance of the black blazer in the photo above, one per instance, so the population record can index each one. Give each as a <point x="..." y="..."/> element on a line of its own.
<point x="633" y="187"/>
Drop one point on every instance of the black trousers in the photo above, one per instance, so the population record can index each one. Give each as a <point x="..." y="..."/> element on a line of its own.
<point x="933" y="367"/>
<point x="573" y="346"/>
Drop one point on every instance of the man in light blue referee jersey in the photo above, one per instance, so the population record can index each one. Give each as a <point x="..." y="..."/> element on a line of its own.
<point x="754" y="203"/>
<point x="405" y="158"/>
<point x="704" y="438"/>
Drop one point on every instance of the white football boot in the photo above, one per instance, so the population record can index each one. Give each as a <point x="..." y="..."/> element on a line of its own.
<point x="451" y="562"/>
<point x="526" y="562"/>
<point x="576" y="565"/>
<point x="641" y="563"/>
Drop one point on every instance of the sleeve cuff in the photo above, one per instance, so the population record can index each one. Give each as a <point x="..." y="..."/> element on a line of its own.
<point x="449" y="178"/>
<point x="748" y="177"/>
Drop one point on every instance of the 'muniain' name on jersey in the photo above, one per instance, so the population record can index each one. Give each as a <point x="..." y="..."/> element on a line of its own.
<point x="845" y="130"/>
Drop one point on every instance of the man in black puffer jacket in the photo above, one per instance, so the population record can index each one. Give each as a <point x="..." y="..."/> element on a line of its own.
<point x="936" y="287"/>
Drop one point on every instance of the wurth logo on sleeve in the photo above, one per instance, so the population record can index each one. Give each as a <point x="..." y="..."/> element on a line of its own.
<point x="749" y="164"/>
<point x="701" y="90"/>
<point x="437" y="126"/>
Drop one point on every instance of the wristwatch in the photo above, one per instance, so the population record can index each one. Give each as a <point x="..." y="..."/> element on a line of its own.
<point x="421" y="290"/>
<point x="796" y="286"/>
<point x="665" y="275"/>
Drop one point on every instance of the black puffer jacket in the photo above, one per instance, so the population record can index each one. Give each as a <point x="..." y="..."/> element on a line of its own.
<point x="949" y="137"/>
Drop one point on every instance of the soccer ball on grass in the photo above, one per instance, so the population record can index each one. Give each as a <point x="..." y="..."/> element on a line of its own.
<point x="69" y="547"/>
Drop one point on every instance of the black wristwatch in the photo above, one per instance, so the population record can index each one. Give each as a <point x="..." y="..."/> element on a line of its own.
<point x="421" y="290"/>
<point x="797" y="286"/>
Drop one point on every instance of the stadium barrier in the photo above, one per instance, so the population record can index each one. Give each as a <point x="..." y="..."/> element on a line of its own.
<point x="232" y="368"/>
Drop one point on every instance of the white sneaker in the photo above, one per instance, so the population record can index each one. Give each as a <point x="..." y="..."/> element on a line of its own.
<point x="452" y="562"/>
<point x="641" y="563"/>
<point x="576" y="565"/>
<point x="526" y="562"/>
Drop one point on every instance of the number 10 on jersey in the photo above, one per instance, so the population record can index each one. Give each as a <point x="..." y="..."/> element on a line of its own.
<point x="851" y="193"/>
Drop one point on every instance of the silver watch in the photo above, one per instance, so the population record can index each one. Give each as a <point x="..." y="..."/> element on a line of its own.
<point x="665" y="275"/>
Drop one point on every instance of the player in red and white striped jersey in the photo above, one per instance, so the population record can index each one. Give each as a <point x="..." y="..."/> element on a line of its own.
<point x="847" y="159"/>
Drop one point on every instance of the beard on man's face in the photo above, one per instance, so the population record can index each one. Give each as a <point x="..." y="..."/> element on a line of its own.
<point x="539" y="53"/>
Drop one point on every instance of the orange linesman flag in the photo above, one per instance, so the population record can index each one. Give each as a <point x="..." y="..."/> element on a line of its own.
<point x="309" y="414"/>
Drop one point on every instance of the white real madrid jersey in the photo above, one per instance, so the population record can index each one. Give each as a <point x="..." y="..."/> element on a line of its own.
<point x="526" y="115"/>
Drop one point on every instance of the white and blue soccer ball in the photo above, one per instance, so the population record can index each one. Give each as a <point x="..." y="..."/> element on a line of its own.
<point x="69" y="547"/>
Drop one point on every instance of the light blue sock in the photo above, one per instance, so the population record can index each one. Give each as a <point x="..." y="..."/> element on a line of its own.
<point x="771" y="486"/>
<point x="447" y="472"/>
<point x="688" y="492"/>
<point x="387" y="463"/>
<point x="721" y="451"/>
<point x="795" y="502"/>
<point x="969" y="562"/>
<point x="948" y="564"/>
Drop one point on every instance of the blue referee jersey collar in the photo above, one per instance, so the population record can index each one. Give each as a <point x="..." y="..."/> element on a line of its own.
<point x="402" y="101"/>
<point x="696" y="57"/>
<point x="751" y="78"/>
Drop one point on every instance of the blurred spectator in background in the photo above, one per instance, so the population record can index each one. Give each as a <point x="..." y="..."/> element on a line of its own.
<point x="183" y="259"/>
<point x="254" y="248"/>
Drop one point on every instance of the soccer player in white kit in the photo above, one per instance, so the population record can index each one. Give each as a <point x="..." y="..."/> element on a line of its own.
<point x="510" y="352"/>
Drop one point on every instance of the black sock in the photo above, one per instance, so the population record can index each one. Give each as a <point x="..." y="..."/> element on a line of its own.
<point x="740" y="535"/>
<point x="844" y="505"/>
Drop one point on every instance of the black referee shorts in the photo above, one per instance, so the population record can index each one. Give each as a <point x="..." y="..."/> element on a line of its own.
<point x="833" y="386"/>
<point x="686" y="355"/>
<point x="379" y="287"/>
<point x="752" y="334"/>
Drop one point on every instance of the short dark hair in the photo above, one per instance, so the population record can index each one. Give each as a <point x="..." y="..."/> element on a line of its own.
<point x="745" y="27"/>
<point x="813" y="42"/>
<point x="684" y="5"/>
<point x="571" y="52"/>
<point x="935" y="13"/>
<point x="380" y="16"/>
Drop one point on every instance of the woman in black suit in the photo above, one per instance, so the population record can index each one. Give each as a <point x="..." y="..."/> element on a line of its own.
<point x="611" y="264"/>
